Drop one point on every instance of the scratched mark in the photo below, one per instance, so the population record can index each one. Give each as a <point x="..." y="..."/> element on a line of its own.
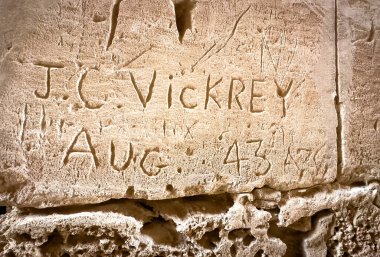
<point x="261" y="54"/>
<point x="371" y="34"/>
<point x="315" y="8"/>
<point x="43" y="121"/>
<point x="207" y="51"/>
<point x="290" y="60"/>
<point x="220" y="137"/>
<point x="113" y="22"/>
<point x="164" y="127"/>
<point x="289" y="159"/>
<point x="270" y="56"/>
<point x="316" y="154"/>
<point x="231" y="35"/>
<point x="22" y="121"/>
<point x="276" y="63"/>
<point x="282" y="46"/>
<point x="188" y="128"/>
<point x="234" y="29"/>
<point x="126" y="64"/>
<point x="49" y="64"/>
<point x="60" y="124"/>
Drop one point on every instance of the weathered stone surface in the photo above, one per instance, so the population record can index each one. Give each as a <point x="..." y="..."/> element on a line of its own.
<point x="359" y="84"/>
<point x="198" y="226"/>
<point x="111" y="99"/>
<point x="219" y="225"/>
<point x="223" y="128"/>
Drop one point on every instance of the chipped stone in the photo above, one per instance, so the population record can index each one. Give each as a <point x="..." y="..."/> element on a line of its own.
<point x="189" y="128"/>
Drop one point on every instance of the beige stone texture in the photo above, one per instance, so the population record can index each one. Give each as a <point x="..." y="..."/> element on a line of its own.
<point x="101" y="97"/>
<point x="359" y="85"/>
<point x="347" y="222"/>
<point x="190" y="128"/>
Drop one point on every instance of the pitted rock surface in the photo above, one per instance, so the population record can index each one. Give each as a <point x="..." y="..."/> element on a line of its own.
<point x="190" y="128"/>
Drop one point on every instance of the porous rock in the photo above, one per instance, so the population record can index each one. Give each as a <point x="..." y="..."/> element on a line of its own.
<point x="189" y="128"/>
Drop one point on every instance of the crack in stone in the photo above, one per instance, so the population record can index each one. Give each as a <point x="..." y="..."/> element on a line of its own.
<point x="337" y="99"/>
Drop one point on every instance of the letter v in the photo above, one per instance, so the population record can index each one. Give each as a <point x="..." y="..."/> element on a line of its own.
<point x="143" y="100"/>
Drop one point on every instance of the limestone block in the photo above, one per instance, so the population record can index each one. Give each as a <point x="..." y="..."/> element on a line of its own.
<point x="359" y="76"/>
<point x="189" y="128"/>
<point x="161" y="99"/>
<point x="218" y="225"/>
<point x="222" y="225"/>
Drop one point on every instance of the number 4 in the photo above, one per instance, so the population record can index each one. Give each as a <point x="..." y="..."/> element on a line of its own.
<point x="237" y="160"/>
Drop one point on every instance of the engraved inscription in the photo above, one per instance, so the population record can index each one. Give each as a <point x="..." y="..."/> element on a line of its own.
<point x="49" y="66"/>
<point x="87" y="150"/>
<point x="151" y="163"/>
<point x="88" y="104"/>
<point x="151" y="116"/>
<point x="126" y="163"/>
<point x="233" y="156"/>
<point x="144" y="100"/>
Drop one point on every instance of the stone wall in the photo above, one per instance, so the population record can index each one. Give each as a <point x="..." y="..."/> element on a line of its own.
<point x="189" y="128"/>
